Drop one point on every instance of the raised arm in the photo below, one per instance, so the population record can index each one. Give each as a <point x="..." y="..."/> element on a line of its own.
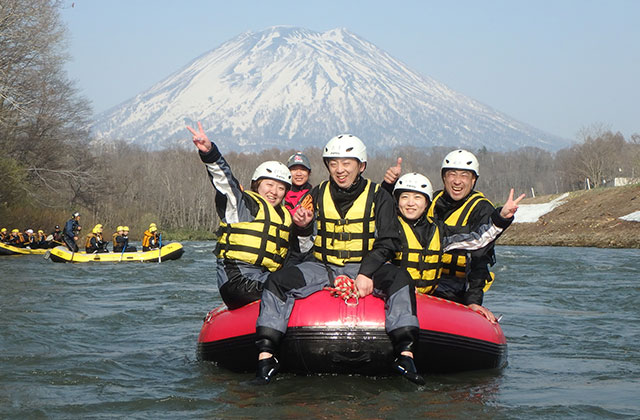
<point x="511" y="206"/>
<point x="486" y="233"/>
<point x="393" y="173"/>
<point x="200" y="139"/>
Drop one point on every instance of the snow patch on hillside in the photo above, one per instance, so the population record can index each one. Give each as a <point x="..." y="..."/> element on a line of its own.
<point x="632" y="217"/>
<point x="531" y="213"/>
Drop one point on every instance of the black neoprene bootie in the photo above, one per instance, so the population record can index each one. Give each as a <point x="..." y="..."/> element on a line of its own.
<point x="267" y="369"/>
<point x="404" y="366"/>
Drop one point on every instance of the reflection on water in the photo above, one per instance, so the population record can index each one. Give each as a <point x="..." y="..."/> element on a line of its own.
<point x="119" y="340"/>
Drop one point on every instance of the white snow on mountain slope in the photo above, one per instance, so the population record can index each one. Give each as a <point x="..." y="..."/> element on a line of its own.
<point x="289" y="87"/>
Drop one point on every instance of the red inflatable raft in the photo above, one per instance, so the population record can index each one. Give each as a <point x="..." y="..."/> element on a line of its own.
<point x="325" y="335"/>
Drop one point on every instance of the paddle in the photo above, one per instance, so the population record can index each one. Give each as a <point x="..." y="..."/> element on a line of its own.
<point x="159" y="248"/>
<point x="124" y="248"/>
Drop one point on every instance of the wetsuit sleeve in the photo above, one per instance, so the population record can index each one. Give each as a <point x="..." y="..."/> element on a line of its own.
<point x="387" y="240"/>
<point x="388" y="187"/>
<point x="483" y="235"/>
<point x="481" y="258"/>
<point x="232" y="205"/>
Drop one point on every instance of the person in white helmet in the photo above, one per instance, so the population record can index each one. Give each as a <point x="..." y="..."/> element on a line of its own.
<point x="423" y="241"/>
<point x="462" y="209"/>
<point x="356" y="234"/>
<point x="245" y="254"/>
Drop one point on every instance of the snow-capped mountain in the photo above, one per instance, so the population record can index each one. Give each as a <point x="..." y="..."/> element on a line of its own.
<point x="289" y="87"/>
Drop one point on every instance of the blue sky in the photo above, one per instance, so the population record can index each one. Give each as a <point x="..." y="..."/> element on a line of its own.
<point x="559" y="66"/>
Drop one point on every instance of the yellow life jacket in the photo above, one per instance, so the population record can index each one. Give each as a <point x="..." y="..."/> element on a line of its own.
<point x="422" y="263"/>
<point x="455" y="264"/>
<point x="87" y="242"/>
<point x="146" y="238"/>
<point x="263" y="242"/>
<point x="98" y="237"/>
<point x="343" y="240"/>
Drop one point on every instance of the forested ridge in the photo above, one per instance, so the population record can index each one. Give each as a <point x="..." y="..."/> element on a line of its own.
<point x="50" y="169"/>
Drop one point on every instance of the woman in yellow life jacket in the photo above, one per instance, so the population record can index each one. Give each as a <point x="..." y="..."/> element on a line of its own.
<point x="150" y="238"/>
<point x="94" y="242"/>
<point x="253" y="238"/>
<point x="16" y="238"/>
<point x="424" y="241"/>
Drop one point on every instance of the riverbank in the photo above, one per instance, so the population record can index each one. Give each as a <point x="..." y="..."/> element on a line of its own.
<point x="581" y="218"/>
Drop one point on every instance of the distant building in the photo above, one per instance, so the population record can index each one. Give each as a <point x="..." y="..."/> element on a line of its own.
<point x="619" y="182"/>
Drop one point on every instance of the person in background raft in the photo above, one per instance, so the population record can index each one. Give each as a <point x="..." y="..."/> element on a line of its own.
<point x="16" y="238"/>
<point x="151" y="238"/>
<point x="4" y="235"/>
<point x="122" y="240"/>
<point x="70" y="232"/>
<point x="254" y="233"/>
<point x="56" y="237"/>
<point x="424" y="241"/>
<point x="116" y="234"/>
<point x="95" y="242"/>
<point x="29" y="239"/>
<point x="357" y="233"/>
<point x="41" y="240"/>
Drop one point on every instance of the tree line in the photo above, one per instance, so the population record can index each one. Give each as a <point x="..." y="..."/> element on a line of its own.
<point x="50" y="169"/>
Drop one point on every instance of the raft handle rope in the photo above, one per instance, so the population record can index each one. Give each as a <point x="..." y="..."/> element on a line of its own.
<point x="345" y="289"/>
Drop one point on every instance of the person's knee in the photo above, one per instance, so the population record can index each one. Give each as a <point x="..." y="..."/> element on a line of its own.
<point x="283" y="280"/>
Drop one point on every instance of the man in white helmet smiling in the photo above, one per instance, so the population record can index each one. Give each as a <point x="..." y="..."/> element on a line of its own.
<point x="356" y="234"/>
<point x="462" y="209"/>
<point x="254" y="233"/>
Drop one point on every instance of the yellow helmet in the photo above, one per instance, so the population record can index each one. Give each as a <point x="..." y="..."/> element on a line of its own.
<point x="3" y="230"/>
<point x="153" y="229"/>
<point x="97" y="229"/>
<point x="15" y="231"/>
<point x="119" y="228"/>
<point x="152" y="225"/>
<point x="125" y="228"/>
<point x="40" y="231"/>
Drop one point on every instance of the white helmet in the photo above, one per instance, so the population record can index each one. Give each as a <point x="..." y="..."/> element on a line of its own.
<point x="461" y="159"/>
<point x="345" y="146"/>
<point x="414" y="182"/>
<point x="273" y="170"/>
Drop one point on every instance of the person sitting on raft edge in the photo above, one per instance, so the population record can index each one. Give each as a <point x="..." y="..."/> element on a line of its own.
<point x="358" y="250"/>
<point x="245" y="257"/>
<point x="424" y="241"/>
<point x="461" y="209"/>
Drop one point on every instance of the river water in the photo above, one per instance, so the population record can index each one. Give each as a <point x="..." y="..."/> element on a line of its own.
<point x="119" y="340"/>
